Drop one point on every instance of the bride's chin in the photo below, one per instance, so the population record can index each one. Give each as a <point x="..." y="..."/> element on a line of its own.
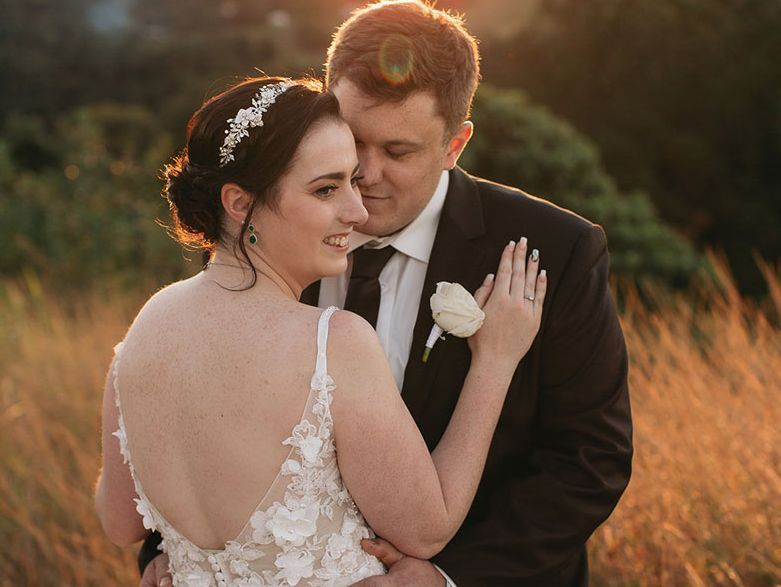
<point x="333" y="268"/>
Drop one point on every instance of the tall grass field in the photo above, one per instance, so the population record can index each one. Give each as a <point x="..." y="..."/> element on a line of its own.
<point x="703" y="507"/>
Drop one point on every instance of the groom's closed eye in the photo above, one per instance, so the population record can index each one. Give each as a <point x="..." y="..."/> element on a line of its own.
<point x="397" y="154"/>
<point x="400" y="148"/>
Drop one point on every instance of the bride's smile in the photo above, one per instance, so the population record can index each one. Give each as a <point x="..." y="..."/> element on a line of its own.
<point x="305" y="233"/>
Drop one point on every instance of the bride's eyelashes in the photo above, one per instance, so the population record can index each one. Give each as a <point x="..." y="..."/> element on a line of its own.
<point x="327" y="191"/>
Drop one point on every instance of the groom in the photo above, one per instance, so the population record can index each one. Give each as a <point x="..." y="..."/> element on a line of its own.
<point x="405" y="75"/>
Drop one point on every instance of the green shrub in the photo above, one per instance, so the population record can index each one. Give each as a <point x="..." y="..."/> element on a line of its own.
<point x="523" y="145"/>
<point x="78" y="202"/>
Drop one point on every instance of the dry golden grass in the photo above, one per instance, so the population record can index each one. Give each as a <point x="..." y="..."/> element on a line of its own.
<point x="703" y="507"/>
<point x="704" y="503"/>
<point x="53" y="359"/>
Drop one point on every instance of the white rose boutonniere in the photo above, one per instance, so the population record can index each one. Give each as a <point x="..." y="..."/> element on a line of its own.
<point x="455" y="311"/>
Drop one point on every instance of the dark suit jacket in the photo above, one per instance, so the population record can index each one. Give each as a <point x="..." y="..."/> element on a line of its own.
<point x="561" y="455"/>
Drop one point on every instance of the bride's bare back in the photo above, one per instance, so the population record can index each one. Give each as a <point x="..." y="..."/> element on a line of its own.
<point x="211" y="382"/>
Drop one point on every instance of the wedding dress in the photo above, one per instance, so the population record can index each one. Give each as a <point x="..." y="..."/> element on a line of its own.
<point x="306" y="529"/>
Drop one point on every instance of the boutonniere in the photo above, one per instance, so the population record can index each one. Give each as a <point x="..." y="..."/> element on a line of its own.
<point x="455" y="311"/>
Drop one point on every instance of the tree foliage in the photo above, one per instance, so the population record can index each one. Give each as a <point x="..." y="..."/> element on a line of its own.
<point x="78" y="201"/>
<point x="683" y="98"/>
<point x="524" y="145"/>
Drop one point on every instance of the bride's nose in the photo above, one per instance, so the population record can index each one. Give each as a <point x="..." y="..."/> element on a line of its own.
<point x="353" y="212"/>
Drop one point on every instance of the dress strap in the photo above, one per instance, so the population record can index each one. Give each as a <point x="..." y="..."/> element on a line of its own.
<point x="321" y="368"/>
<point x="121" y="432"/>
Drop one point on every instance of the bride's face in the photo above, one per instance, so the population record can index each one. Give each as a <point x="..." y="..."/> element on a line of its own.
<point x="306" y="237"/>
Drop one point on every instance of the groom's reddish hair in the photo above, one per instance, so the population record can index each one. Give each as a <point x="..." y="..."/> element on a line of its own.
<point x="393" y="48"/>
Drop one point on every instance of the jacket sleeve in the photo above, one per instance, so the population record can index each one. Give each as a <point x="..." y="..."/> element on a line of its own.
<point x="534" y="525"/>
<point x="149" y="550"/>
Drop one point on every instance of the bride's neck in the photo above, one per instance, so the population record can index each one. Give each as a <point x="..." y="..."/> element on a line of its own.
<point x="233" y="272"/>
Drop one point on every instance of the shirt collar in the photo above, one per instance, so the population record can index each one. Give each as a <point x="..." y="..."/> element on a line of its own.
<point x="417" y="238"/>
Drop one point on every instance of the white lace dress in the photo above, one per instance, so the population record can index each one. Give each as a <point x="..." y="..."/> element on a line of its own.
<point x="305" y="531"/>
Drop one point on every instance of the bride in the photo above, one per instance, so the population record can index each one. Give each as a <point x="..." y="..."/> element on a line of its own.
<point x="228" y="400"/>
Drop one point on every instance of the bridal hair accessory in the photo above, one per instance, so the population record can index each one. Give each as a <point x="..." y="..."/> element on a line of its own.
<point x="251" y="117"/>
<point x="455" y="311"/>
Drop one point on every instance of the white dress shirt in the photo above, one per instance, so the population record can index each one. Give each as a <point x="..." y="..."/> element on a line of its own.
<point x="401" y="280"/>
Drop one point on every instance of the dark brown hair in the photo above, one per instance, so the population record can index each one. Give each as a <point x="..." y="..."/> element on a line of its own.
<point x="194" y="179"/>
<point x="391" y="49"/>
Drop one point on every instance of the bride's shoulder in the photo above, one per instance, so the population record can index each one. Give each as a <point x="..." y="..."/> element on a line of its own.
<point x="353" y="344"/>
<point x="165" y="303"/>
<point x="176" y="289"/>
<point x="166" y="292"/>
<point x="347" y="328"/>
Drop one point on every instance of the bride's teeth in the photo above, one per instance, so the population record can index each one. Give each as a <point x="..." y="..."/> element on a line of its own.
<point x="338" y="241"/>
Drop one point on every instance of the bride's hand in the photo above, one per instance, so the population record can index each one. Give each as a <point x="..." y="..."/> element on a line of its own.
<point x="512" y="302"/>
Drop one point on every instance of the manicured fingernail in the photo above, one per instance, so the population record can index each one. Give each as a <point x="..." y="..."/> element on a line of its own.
<point x="489" y="278"/>
<point x="524" y="240"/>
<point x="165" y="582"/>
<point x="535" y="255"/>
<point x="544" y="273"/>
<point x="511" y="244"/>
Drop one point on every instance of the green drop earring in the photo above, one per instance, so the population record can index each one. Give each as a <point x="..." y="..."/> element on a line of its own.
<point x="253" y="238"/>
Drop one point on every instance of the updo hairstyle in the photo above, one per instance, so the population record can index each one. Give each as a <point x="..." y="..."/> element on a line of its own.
<point x="194" y="179"/>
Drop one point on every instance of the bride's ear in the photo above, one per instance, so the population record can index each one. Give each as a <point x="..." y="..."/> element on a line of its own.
<point x="236" y="202"/>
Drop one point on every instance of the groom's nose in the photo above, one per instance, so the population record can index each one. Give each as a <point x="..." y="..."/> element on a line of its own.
<point x="371" y="170"/>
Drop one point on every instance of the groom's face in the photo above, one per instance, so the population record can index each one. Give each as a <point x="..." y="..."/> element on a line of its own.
<point x="402" y="150"/>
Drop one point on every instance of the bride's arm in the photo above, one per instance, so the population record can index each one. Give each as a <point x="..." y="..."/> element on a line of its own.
<point x="115" y="490"/>
<point x="414" y="499"/>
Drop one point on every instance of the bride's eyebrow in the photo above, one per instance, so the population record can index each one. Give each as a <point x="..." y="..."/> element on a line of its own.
<point x="337" y="175"/>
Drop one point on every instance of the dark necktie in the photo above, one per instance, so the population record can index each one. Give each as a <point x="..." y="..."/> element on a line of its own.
<point x="363" y="293"/>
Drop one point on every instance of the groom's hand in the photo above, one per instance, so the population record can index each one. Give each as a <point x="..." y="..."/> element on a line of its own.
<point x="156" y="573"/>
<point x="402" y="570"/>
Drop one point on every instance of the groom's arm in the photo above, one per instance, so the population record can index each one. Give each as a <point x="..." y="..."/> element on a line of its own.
<point x="533" y="525"/>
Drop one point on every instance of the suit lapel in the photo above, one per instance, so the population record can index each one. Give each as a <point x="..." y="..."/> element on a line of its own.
<point x="455" y="257"/>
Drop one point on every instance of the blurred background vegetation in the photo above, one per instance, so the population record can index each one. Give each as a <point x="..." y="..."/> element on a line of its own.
<point x="660" y="120"/>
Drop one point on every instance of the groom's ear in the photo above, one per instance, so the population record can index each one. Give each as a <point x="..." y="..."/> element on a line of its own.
<point x="457" y="143"/>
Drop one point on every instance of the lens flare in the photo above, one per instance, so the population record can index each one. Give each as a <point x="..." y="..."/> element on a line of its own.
<point x="396" y="59"/>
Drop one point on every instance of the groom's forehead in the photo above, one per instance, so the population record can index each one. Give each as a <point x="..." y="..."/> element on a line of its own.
<point x="395" y="131"/>
<point x="410" y="120"/>
<point x="358" y="96"/>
